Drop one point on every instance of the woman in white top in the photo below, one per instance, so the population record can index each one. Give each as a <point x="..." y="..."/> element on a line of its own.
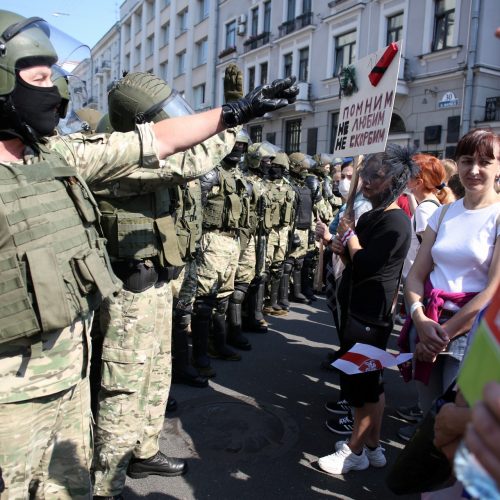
<point x="458" y="266"/>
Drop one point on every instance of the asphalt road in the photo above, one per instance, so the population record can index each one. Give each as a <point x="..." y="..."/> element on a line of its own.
<point x="257" y="431"/>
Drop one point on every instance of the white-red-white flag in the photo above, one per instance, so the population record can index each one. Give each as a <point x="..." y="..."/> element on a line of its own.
<point x="362" y="358"/>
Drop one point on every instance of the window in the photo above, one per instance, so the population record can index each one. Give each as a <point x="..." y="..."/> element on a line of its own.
<point x="203" y="9"/>
<point x="150" y="10"/>
<point x="263" y="73"/>
<point x="231" y="34"/>
<point x="138" y="22"/>
<point x="287" y="65"/>
<point x="290" y="11"/>
<point x="394" y="28"/>
<point x="181" y="63"/>
<point x="303" y="64"/>
<point x="164" y="70"/>
<point x="201" y="51"/>
<point x="182" y="18"/>
<point x="165" y="3"/>
<point x="199" y="96"/>
<point x="345" y="46"/>
<point x="267" y="16"/>
<point x="150" y="45"/>
<point x="126" y="63"/>
<point x="165" y="33"/>
<point x="254" y="21"/>
<point x="137" y="55"/>
<point x="292" y="136"/>
<point x="251" y="78"/>
<point x="334" y="122"/>
<point x="306" y="6"/>
<point x="126" y="29"/>
<point x="444" y="21"/>
<point x="256" y="133"/>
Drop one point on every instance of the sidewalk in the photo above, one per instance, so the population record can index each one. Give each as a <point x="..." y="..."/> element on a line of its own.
<point x="258" y="430"/>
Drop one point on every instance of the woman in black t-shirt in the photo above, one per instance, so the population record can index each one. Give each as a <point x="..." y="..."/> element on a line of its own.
<point x="374" y="252"/>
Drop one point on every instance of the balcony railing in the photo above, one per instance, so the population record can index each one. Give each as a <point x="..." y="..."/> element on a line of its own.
<point x="296" y="24"/>
<point x="492" y="109"/>
<point x="256" y="41"/>
<point x="227" y="51"/>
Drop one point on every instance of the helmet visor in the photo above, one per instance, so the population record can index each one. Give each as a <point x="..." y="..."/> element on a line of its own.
<point x="174" y="105"/>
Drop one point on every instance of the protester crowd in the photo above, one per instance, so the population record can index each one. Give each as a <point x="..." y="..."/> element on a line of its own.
<point x="125" y="241"/>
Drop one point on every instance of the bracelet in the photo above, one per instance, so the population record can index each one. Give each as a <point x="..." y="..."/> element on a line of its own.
<point x="347" y="236"/>
<point x="414" y="307"/>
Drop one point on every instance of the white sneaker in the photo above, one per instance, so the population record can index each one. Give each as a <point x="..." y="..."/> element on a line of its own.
<point x="343" y="460"/>
<point x="376" y="457"/>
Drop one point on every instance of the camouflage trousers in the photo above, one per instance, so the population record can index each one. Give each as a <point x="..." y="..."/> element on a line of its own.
<point x="301" y="250"/>
<point x="135" y="382"/>
<point x="46" y="446"/>
<point x="216" y="263"/>
<point x="245" y="272"/>
<point x="277" y="244"/>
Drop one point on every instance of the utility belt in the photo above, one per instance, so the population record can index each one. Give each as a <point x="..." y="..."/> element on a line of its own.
<point x="139" y="275"/>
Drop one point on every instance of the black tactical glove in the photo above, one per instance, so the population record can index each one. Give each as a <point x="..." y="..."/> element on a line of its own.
<point x="295" y="241"/>
<point x="233" y="83"/>
<point x="311" y="238"/>
<point x="260" y="101"/>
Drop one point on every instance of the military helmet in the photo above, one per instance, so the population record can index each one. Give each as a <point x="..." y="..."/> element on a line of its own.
<point x="300" y="162"/>
<point x="259" y="151"/>
<point x="23" y="42"/>
<point x="104" y="125"/>
<point x="323" y="162"/>
<point x="143" y="97"/>
<point x="242" y="136"/>
<point x="282" y="160"/>
<point x="337" y="161"/>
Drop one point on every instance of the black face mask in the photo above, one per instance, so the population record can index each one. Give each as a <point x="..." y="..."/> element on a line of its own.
<point x="37" y="106"/>
<point x="237" y="152"/>
<point x="275" y="172"/>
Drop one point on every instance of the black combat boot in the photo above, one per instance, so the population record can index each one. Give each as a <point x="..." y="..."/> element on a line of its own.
<point x="234" y="336"/>
<point x="273" y="308"/>
<point x="308" y="277"/>
<point x="157" y="465"/>
<point x="284" y="289"/>
<point x="217" y="347"/>
<point x="200" y="327"/>
<point x="182" y="371"/>
<point x="297" y="295"/>
<point x="255" y="321"/>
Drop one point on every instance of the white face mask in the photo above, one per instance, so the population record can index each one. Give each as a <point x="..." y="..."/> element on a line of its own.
<point x="344" y="186"/>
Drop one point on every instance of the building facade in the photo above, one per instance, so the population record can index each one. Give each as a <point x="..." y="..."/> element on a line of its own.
<point x="449" y="79"/>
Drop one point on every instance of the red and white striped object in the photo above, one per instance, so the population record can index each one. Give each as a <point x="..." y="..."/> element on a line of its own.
<point x="363" y="358"/>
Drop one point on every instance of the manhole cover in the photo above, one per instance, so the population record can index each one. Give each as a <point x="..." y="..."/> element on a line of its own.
<point x="242" y="428"/>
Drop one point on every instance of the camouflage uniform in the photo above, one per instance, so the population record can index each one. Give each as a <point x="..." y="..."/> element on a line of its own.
<point x="283" y="214"/>
<point x="61" y="355"/>
<point x="226" y="210"/>
<point x="137" y="325"/>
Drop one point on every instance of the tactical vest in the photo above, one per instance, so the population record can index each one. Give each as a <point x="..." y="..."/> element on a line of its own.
<point x="282" y="205"/>
<point x="260" y="204"/>
<point x="189" y="219"/>
<point x="305" y="207"/>
<point x="228" y="204"/>
<point x="53" y="262"/>
<point x="142" y="226"/>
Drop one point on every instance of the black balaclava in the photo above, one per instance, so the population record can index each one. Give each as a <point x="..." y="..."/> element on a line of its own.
<point x="36" y="107"/>
<point x="239" y="149"/>
<point x="275" y="172"/>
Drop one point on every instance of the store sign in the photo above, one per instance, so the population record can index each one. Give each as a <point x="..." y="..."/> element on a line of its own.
<point x="449" y="100"/>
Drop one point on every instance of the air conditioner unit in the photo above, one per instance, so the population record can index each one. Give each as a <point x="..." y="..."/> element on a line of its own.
<point x="242" y="19"/>
<point x="241" y="29"/>
<point x="304" y="91"/>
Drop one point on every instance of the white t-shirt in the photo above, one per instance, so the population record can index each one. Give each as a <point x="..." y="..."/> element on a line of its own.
<point x="419" y="222"/>
<point x="464" y="247"/>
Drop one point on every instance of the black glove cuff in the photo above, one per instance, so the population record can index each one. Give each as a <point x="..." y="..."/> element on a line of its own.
<point x="230" y="116"/>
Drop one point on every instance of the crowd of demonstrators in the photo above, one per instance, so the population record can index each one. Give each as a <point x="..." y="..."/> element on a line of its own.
<point x="59" y="270"/>
<point x="374" y="250"/>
